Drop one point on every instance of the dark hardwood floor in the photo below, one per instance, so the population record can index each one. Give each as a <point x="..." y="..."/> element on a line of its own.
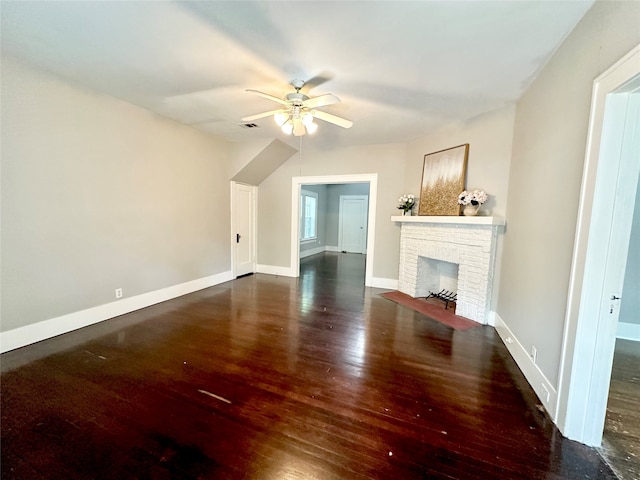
<point x="276" y="378"/>
<point x="621" y="439"/>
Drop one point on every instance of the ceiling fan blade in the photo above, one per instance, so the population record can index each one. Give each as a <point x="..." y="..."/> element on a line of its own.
<point x="318" y="80"/>
<point x="267" y="96"/>
<point x="327" y="117"/>
<point x="251" y="118"/>
<point x="298" y="127"/>
<point x="321" y="101"/>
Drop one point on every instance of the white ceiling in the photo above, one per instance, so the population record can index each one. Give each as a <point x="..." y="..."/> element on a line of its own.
<point x="400" y="68"/>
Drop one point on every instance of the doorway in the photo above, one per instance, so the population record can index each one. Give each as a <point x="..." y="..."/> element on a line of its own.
<point x="610" y="180"/>
<point x="371" y="180"/>
<point x="621" y="438"/>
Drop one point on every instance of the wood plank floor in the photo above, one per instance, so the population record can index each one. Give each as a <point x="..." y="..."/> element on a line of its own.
<point x="276" y="378"/>
<point x="621" y="440"/>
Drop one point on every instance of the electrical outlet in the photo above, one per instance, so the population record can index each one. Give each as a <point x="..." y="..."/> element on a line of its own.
<point x="545" y="393"/>
<point x="118" y="293"/>
<point x="534" y="354"/>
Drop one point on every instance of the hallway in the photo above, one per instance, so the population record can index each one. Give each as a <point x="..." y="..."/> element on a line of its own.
<point x="621" y="438"/>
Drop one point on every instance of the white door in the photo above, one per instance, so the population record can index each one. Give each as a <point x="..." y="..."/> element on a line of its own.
<point x="243" y="231"/>
<point x="352" y="227"/>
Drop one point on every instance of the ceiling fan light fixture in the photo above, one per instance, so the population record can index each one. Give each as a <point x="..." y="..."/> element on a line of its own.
<point x="311" y="128"/>
<point x="287" y="127"/>
<point x="307" y="119"/>
<point x="280" y="118"/>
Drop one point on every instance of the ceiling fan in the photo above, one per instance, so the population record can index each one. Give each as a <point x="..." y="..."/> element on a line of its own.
<point x="299" y="111"/>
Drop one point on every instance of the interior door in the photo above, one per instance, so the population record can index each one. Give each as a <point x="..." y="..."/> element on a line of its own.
<point x="352" y="229"/>
<point x="609" y="238"/>
<point x="244" y="234"/>
<point x="621" y="221"/>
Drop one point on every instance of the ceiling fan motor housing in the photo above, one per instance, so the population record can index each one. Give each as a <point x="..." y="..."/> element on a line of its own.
<point x="296" y="98"/>
<point x="297" y="84"/>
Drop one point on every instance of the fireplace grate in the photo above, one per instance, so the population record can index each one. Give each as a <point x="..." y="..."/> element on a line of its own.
<point x="445" y="295"/>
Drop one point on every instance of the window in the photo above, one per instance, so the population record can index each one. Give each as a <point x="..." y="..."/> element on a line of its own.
<point x="308" y="215"/>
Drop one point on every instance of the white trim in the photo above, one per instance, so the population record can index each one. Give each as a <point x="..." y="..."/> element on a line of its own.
<point x="296" y="184"/>
<point x="629" y="331"/>
<point x="312" y="251"/>
<point x="387" y="283"/>
<point x="529" y="369"/>
<point x="583" y="378"/>
<point x="22" y="336"/>
<point x="275" y="270"/>
<point x="460" y="220"/>
<point x="332" y="248"/>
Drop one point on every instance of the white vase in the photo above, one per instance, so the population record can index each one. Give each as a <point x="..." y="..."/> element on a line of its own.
<point x="470" y="210"/>
<point x="407" y="213"/>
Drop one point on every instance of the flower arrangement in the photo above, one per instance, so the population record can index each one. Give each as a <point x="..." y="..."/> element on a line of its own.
<point x="475" y="198"/>
<point x="406" y="202"/>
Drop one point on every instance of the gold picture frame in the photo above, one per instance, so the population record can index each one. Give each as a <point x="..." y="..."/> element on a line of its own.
<point x="443" y="177"/>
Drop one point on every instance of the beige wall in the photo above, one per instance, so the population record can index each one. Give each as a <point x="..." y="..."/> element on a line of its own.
<point x="98" y="195"/>
<point x="274" y="208"/>
<point x="399" y="168"/>
<point x="489" y="137"/>
<point x="544" y="185"/>
<point x="490" y="141"/>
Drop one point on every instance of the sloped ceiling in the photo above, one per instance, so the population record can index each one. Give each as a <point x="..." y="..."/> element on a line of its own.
<point x="400" y="68"/>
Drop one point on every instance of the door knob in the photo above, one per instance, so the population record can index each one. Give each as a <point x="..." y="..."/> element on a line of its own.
<point x="237" y="238"/>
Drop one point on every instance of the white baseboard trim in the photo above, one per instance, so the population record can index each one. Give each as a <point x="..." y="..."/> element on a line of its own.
<point x="36" y="332"/>
<point x="530" y="370"/>
<point x="312" y="251"/>
<point x="628" y="331"/>
<point x="389" y="283"/>
<point x="332" y="248"/>
<point x="275" y="270"/>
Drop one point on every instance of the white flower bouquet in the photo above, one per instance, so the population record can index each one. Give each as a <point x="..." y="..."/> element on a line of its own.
<point x="475" y="197"/>
<point x="406" y="202"/>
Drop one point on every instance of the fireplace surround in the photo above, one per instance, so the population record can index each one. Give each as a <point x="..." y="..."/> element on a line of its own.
<point x="469" y="242"/>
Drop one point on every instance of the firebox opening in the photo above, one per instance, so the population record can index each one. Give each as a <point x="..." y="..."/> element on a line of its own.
<point x="439" y="276"/>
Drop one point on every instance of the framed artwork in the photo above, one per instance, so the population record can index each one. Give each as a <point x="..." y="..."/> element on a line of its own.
<point x="443" y="176"/>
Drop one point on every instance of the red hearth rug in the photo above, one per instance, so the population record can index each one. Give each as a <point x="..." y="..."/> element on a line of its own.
<point x="434" y="312"/>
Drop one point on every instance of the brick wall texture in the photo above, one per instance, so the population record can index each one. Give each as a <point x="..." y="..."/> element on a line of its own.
<point x="472" y="247"/>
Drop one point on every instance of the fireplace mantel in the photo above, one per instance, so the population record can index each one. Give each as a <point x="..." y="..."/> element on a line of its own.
<point x="477" y="220"/>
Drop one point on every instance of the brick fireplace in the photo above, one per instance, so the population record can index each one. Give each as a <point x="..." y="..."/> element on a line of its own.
<point x="468" y="242"/>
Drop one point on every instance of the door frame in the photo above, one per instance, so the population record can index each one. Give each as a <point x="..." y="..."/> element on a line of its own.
<point x="585" y="368"/>
<point x="254" y="224"/>
<point x="340" y="214"/>
<point x="296" y="185"/>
